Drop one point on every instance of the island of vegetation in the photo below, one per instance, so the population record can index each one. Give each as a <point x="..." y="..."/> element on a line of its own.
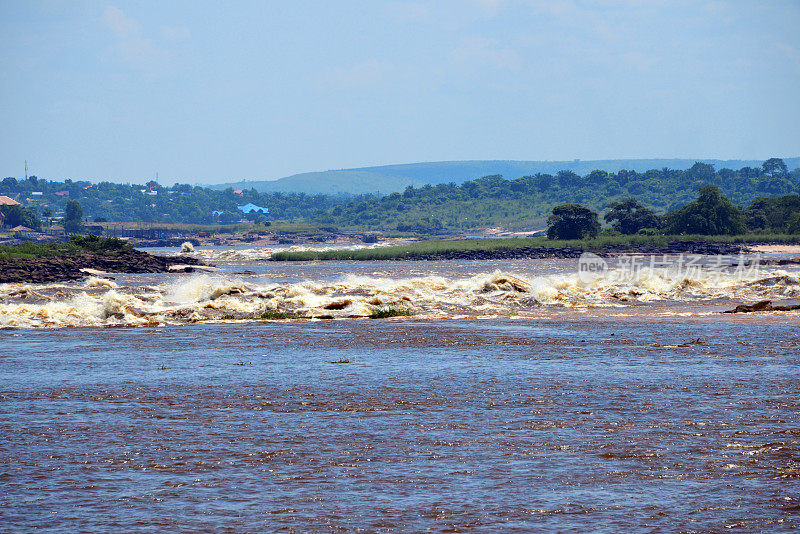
<point x="709" y="225"/>
<point x="78" y="258"/>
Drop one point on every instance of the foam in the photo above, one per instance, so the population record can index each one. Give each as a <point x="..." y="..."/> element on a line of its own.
<point x="204" y="297"/>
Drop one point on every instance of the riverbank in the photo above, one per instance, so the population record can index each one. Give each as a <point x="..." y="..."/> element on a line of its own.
<point x="490" y="249"/>
<point x="74" y="260"/>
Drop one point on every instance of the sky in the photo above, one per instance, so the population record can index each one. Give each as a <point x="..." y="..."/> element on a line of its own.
<point x="212" y="92"/>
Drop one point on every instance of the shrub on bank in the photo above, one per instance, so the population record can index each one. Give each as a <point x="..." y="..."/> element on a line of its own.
<point x="99" y="244"/>
<point x="382" y="312"/>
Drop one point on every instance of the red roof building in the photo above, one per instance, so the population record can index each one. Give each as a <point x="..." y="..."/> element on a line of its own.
<point x="5" y="201"/>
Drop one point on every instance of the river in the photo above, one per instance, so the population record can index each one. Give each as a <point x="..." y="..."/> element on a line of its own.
<point x="515" y="398"/>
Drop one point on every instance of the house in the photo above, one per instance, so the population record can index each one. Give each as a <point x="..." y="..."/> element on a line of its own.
<point x="238" y="192"/>
<point x="24" y="230"/>
<point x="6" y="201"/>
<point x="62" y="193"/>
<point x="250" y="208"/>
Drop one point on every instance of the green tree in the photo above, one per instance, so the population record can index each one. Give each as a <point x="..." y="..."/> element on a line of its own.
<point x="774" y="167"/>
<point x="229" y="217"/>
<point x="9" y="184"/>
<point x="710" y="214"/>
<point x="16" y="215"/>
<point x="572" y="221"/>
<point x="73" y="217"/>
<point x="568" y="179"/>
<point x="701" y="172"/>
<point x="793" y="227"/>
<point x="597" y="177"/>
<point x="628" y="216"/>
<point x="771" y="214"/>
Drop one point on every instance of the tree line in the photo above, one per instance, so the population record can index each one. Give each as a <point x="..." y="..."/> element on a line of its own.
<point x="521" y="203"/>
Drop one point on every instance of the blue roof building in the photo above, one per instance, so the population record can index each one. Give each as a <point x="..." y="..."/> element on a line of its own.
<point x="250" y="208"/>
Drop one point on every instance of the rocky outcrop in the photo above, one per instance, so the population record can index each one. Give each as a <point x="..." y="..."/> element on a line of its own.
<point x="41" y="270"/>
<point x="762" y="306"/>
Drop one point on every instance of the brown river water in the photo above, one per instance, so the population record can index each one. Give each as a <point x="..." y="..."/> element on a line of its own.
<point x="516" y="398"/>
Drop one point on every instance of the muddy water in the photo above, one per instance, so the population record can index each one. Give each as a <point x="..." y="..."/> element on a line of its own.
<point x="352" y="290"/>
<point x="652" y="415"/>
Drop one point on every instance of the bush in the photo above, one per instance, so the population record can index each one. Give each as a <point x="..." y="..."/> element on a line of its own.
<point x="99" y="244"/>
<point x="710" y="214"/>
<point x="17" y="215"/>
<point x="274" y="315"/>
<point x="628" y="216"/>
<point x="383" y="312"/>
<point x="609" y="232"/>
<point x="572" y="221"/>
<point x="794" y="224"/>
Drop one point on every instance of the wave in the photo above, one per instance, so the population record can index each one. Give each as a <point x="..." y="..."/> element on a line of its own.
<point x="100" y="302"/>
<point x="255" y="254"/>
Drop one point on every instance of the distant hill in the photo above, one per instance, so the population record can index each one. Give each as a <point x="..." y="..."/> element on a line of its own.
<point x="389" y="178"/>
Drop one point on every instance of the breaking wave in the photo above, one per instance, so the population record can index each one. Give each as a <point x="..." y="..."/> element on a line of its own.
<point x="100" y="302"/>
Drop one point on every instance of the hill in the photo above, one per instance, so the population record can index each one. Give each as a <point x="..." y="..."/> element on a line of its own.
<point x="387" y="179"/>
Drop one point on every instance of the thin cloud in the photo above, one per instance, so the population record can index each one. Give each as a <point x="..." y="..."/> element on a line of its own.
<point x="176" y="33"/>
<point x="119" y="24"/>
<point x="479" y="51"/>
<point x="129" y="43"/>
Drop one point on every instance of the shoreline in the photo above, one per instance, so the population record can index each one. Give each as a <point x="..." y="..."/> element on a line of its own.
<point x="709" y="248"/>
<point x="70" y="267"/>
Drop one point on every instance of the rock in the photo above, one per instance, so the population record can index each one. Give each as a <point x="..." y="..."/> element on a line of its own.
<point x="762" y="306"/>
<point x="180" y="268"/>
<point x="79" y="265"/>
<point x="94" y="272"/>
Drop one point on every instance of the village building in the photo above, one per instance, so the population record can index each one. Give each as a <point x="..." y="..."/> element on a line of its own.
<point x="250" y="208"/>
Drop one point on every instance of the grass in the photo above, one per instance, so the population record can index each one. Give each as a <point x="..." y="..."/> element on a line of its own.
<point x="443" y="246"/>
<point x="382" y="312"/>
<point x="274" y="315"/>
<point x="268" y="315"/>
<point x="77" y="244"/>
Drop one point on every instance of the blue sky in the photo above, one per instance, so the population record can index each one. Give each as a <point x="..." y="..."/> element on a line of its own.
<point x="218" y="91"/>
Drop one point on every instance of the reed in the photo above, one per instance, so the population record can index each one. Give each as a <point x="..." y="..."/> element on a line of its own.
<point x="442" y="246"/>
<point x="274" y="315"/>
<point x="382" y="312"/>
